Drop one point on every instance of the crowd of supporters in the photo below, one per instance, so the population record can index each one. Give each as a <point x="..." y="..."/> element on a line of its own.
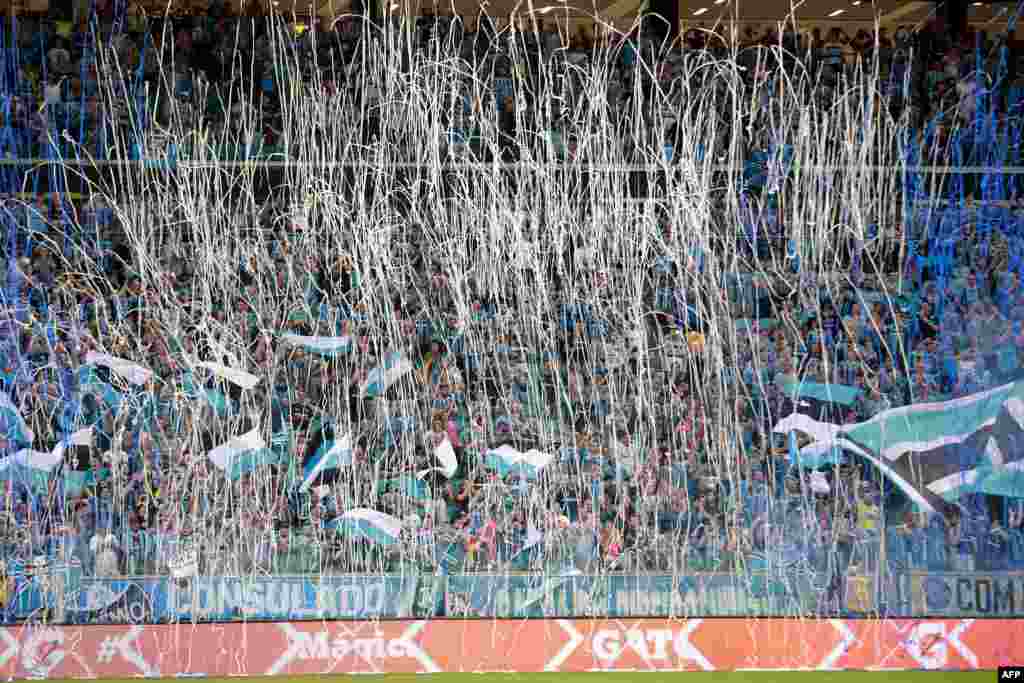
<point x="630" y="487"/>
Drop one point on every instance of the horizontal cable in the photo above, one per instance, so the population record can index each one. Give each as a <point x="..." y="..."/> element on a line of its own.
<point x="603" y="168"/>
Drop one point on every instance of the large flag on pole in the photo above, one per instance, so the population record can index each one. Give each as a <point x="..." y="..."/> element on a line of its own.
<point x="1006" y="481"/>
<point x="36" y="460"/>
<point x="927" y="426"/>
<point x="934" y="451"/>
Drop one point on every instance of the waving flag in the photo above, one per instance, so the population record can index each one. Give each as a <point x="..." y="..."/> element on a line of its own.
<point x="236" y="377"/>
<point x="819" y="454"/>
<point x="936" y="451"/>
<point x="12" y="425"/>
<point x="223" y="456"/>
<point x="37" y="460"/>
<point x="927" y="426"/>
<point x="329" y="347"/>
<point x="980" y="473"/>
<point x="445" y="454"/>
<point x="250" y="461"/>
<point x="378" y="527"/>
<point x="380" y="378"/>
<point x="507" y="460"/>
<point x="324" y="457"/>
<point x="820" y="431"/>
<point x="133" y="372"/>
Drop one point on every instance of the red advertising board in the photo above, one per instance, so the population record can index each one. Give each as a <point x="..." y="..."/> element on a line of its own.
<point x="505" y="645"/>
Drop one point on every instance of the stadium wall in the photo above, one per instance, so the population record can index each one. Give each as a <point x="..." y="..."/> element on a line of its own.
<point x="289" y="648"/>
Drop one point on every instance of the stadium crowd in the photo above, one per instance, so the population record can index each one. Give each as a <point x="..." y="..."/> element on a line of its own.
<point x="626" y="491"/>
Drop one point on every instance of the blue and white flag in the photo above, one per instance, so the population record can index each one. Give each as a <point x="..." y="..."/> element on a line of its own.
<point x="224" y="456"/>
<point x="330" y="456"/>
<point x="934" y="451"/>
<point x="33" y="468"/>
<point x="329" y="347"/>
<point x="49" y="461"/>
<point x="377" y="527"/>
<point x="445" y="454"/>
<point x="818" y="454"/>
<point x="507" y="460"/>
<point x="36" y="460"/>
<point x="132" y="372"/>
<point x="250" y="461"/>
<point x="380" y="378"/>
<point x="924" y="427"/>
<point x="12" y="425"/>
<point x="237" y="377"/>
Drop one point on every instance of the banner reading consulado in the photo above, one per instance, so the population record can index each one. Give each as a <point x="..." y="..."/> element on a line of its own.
<point x="158" y="600"/>
<point x="226" y="599"/>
